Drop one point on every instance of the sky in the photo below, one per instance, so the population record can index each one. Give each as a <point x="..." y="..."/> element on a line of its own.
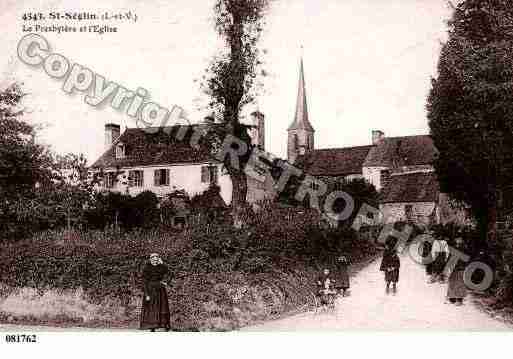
<point x="368" y="65"/>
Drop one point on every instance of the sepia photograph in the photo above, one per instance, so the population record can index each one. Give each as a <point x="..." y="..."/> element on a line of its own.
<point x="256" y="167"/>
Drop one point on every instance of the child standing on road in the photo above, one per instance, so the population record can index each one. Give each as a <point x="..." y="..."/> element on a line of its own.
<point x="390" y="265"/>
<point x="325" y="285"/>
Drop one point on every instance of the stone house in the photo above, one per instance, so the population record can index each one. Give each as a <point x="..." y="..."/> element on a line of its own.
<point x="410" y="197"/>
<point x="400" y="168"/>
<point x="159" y="160"/>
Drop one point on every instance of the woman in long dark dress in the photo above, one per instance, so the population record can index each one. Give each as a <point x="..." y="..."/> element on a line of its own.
<point x="428" y="256"/>
<point x="456" y="290"/>
<point x="440" y="253"/>
<point x="155" y="307"/>
<point x="390" y="265"/>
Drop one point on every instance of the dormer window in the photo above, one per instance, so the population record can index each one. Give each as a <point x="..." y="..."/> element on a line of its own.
<point x="120" y="151"/>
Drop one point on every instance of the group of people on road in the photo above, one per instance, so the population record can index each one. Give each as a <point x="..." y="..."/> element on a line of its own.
<point x="155" y="312"/>
<point x="331" y="283"/>
<point x="437" y="257"/>
<point x="336" y="282"/>
<point x="436" y="254"/>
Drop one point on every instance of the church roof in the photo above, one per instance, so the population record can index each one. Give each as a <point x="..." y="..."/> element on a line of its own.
<point x="411" y="187"/>
<point x="301" y="121"/>
<point x="402" y="151"/>
<point x="154" y="146"/>
<point x="334" y="161"/>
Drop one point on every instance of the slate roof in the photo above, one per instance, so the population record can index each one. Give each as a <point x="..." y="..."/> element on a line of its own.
<point x="402" y="151"/>
<point x="152" y="147"/>
<point x="334" y="161"/>
<point x="411" y="187"/>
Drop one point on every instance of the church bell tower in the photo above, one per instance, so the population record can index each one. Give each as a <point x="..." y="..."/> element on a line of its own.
<point x="300" y="132"/>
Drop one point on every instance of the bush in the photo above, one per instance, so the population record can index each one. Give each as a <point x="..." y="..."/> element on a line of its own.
<point x="111" y="208"/>
<point x="271" y="263"/>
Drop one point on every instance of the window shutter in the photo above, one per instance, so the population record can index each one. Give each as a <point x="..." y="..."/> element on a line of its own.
<point x="156" y="176"/>
<point x="166" y="173"/>
<point x="141" y="173"/>
<point x="204" y="174"/>
<point x="110" y="180"/>
<point x="131" y="178"/>
<point x="213" y="174"/>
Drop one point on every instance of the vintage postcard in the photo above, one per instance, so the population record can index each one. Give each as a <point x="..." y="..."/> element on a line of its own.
<point x="255" y="166"/>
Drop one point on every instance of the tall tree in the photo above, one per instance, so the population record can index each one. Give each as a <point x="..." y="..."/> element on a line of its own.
<point x="231" y="77"/>
<point x="23" y="162"/>
<point x="470" y="108"/>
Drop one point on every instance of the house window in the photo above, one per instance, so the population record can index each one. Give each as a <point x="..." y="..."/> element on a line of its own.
<point x="109" y="179"/>
<point x="339" y="185"/>
<point x="209" y="174"/>
<point x="408" y="211"/>
<point x="315" y="186"/>
<point x="161" y="177"/>
<point x="179" y="221"/>
<point x="120" y="151"/>
<point x="136" y="178"/>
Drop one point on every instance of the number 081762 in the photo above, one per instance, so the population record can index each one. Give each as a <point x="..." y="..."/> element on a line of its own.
<point x="21" y="338"/>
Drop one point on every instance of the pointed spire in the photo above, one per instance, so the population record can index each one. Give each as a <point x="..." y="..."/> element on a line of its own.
<point x="301" y="116"/>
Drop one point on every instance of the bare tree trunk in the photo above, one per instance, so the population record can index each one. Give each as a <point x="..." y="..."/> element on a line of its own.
<point x="68" y="222"/>
<point x="492" y="219"/>
<point x="239" y="190"/>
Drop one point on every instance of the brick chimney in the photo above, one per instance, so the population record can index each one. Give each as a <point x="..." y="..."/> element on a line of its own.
<point x="258" y="131"/>
<point x="377" y="136"/>
<point x="112" y="132"/>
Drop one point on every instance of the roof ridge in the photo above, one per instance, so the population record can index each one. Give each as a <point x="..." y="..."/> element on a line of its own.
<point x="419" y="172"/>
<point x="341" y="148"/>
<point x="170" y="126"/>
<point x="408" y="136"/>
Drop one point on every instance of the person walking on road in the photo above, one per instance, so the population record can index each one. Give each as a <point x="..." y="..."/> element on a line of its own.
<point x="440" y="253"/>
<point x="456" y="290"/>
<point x="427" y="254"/>
<point x="390" y="264"/>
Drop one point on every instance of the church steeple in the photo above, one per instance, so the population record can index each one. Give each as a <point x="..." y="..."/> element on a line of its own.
<point x="301" y="117"/>
<point x="300" y="131"/>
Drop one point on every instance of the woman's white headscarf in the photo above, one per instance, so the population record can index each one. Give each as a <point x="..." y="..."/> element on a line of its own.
<point x="157" y="256"/>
